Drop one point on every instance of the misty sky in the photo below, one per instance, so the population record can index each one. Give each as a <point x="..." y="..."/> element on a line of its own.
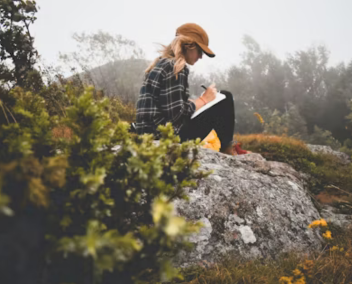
<point x="281" y="26"/>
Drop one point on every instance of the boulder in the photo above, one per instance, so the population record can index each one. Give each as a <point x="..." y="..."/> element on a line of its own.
<point x="250" y="208"/>
<point x="344" y="158"/>
<point x="332" y="215"/>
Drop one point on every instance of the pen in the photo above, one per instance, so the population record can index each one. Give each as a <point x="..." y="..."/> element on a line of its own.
<point x="205" y="88"/>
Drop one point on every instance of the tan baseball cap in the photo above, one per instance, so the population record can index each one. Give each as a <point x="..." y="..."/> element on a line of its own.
<point x="199" y="36"/>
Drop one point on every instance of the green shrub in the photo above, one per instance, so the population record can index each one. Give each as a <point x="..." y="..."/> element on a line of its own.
<point x="347" y="147"/>
<point x="323" y="137"/>
<point x="97" y="214"/>
<point x="346" y="150"/>
<point x="279" y="148"/>
<point x="119" y="110"/>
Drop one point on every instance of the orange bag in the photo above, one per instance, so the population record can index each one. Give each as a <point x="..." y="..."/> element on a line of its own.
<point x="212" y="141"/>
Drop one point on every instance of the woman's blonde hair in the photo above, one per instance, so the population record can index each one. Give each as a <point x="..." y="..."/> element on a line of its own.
<point x="175" y="50"/>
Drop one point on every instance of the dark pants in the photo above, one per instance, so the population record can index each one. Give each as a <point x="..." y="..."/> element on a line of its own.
<point x="220" y="117"/>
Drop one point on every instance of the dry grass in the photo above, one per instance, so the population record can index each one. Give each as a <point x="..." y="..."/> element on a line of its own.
<point x="254" y="139"/>
<point x="62" y="132"/>
<point x="332" y="195"/>
<point x="332" y="265"/>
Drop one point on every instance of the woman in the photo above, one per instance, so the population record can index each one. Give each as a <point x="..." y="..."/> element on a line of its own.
<point x="164" y="96"/>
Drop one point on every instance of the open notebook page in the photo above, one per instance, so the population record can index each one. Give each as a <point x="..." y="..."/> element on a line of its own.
<point x="218" y="97"/>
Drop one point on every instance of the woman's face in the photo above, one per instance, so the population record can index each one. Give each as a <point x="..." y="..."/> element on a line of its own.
<point x="192" y="55"/>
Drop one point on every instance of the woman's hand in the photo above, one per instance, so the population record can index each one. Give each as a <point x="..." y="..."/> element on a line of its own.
<point x="209" y="94"/>
<point x="207" y="97"/>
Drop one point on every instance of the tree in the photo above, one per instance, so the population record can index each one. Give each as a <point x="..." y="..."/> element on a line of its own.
<point x="266" y="76"/>
<point x="110" y="63"/>
<point x="337" y="105"/>
<point x="258" y="84"/>
<point x="306" y="82"/>
<point x="297" y="126"/>
<point x="290" y="123"/>
<point x="323" y="137"/>
<point x="17" y="53"/>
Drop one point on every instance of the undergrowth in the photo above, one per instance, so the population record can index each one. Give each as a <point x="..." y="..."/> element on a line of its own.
<point x="324" y="170"/>
<point x="331" y="265"/>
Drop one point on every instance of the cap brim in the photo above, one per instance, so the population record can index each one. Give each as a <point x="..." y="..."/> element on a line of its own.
<point x="206" y="50"/>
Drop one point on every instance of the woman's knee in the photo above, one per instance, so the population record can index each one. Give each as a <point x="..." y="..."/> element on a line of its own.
<point x="227" y="94"/>
<point x="229" y="101"/>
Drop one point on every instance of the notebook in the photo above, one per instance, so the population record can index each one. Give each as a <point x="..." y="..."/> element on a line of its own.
<point x="218" y="97"/>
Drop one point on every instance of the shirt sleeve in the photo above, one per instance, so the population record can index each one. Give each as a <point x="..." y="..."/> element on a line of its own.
<point x="174" y="97"/>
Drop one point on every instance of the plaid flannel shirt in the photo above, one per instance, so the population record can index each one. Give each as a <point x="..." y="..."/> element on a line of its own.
<point x="164" y="98"/>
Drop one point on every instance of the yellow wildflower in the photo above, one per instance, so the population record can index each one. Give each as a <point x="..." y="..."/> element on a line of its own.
<point x="285" y="280"/>
<point x="327" y="235"/>
<point x="297" y="272"/>
<point x="334" y="248"/>
<point x="314" y="224"/>
<point x="302" y="280"/>
<point x="318" y="223"/>
<point x="308" y="264"/>
<point x="323" y="223"/>
<point x="259" y="117"/>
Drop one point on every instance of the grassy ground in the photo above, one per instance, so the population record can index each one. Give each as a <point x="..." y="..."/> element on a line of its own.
<point x="331" y="183"/>
<point x="332" y="265"/>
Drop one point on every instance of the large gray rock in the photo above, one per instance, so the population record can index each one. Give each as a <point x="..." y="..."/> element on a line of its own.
<point x="332" y="215"/>
<point x="250" y="207"/>
<point x="344" y="158"/>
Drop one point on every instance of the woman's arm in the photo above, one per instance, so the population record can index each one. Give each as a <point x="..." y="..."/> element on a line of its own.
<point x="198" y="102"/>
<point x="172" y="96"/>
